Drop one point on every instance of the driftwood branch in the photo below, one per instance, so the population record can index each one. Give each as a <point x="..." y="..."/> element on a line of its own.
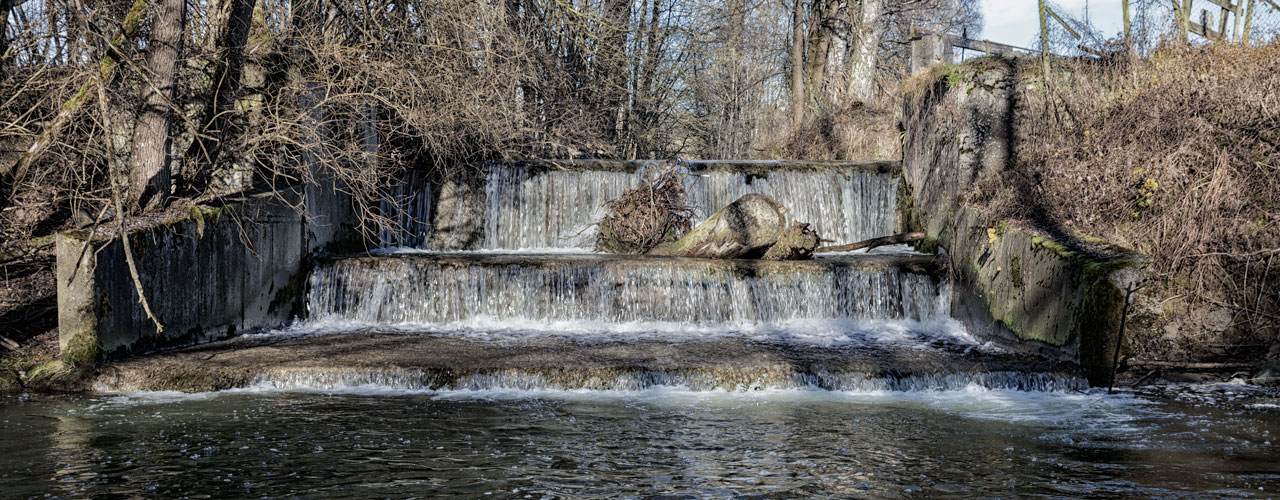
<point x="128" y="258"/>
<point x="1188" y="365"/>
<point x="874" y="242"/>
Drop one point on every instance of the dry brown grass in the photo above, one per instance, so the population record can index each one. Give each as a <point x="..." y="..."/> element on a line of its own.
<point x="854" y="132"/>
<point x="1176" y="157"/>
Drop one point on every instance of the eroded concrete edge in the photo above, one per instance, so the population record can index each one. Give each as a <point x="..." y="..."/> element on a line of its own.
<point x="1011" y="284"/>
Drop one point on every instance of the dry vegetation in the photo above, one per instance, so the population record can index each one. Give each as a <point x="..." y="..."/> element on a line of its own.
<point x="655" y="212"/>
<point x="1176" y="156"/>
<point x="855" y="132"/>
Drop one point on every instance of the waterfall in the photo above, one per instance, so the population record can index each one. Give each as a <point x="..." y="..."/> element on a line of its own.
<point x="540" y="208"/>
<point x="498" y="319"/>
<point x="441" y="289"/>
<point x="408" y="207"/>
<point x="550" y="209"/>
<point x="843" y="206"/>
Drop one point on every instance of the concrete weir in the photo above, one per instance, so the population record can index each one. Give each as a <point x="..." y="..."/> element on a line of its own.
<point x="213" y="274"/>
<point x="508" y="317"/>
<point x="433" y="362"/>
<point x="450" y="288"/>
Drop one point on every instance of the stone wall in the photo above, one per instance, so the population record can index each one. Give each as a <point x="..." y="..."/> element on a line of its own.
<point x="1013" y="281"/>
<point x="210" y="275"/>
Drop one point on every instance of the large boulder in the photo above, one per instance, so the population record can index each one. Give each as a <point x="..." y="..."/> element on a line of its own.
<point x="745" y="228"/>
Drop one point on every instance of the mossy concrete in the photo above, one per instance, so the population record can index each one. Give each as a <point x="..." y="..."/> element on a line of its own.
<point x="212" y="274"/>
<point x="1034" y="292"/>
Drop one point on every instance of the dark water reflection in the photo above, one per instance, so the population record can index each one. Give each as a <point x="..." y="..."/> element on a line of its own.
<point x="669" y="444"/>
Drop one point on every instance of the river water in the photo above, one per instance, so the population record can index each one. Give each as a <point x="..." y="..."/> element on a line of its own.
<point x="1207" y="441"/>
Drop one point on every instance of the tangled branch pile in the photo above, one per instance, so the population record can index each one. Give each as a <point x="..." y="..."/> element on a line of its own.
<point x="655" y="212"/>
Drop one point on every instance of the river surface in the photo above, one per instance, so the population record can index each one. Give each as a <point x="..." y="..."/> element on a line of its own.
<point x="1191" y="441"/>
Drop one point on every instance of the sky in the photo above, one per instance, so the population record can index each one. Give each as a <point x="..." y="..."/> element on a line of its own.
<point x="1017" y="22"/>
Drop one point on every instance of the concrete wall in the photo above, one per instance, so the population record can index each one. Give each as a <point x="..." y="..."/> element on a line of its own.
<point x="1013" y="281"/>
<point x="210" y="275"/>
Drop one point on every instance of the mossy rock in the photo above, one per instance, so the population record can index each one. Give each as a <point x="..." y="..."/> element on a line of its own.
<point x="57" y="375"/>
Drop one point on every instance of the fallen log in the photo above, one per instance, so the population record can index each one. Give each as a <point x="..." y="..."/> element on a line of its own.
<point x="1188" y="365"/>
<point x="745" y="229"/>
<point x="874" y="242"/>
<point x="796" y="242"/>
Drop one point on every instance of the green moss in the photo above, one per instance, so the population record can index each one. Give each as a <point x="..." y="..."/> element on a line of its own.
<point x="82" y="349"/>
<point x="929" y="245"/>
<point x="1015" y="272"/>
<point x="69" y="368"/>
<point x="1041" y="243"/>
<point x="956" y="77"/>
<point x="213" y="214"/>
<point x="1001" y="228"/>
<point x="198" y="217"/>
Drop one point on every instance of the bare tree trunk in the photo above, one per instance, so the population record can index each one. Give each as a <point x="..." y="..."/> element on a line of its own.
<point x="819" y="45"/>
<point x="220" y="121"/>
<point x="613" y="64"/>
<point x="1235" y="30"/>
<point x="647" y="95"/>
<point x="150" y="161"/>
<point x="10" y="180"/>
<point x="1182" y="13"/>
<point x="1044" y="40"/>
<point x="797" y="64"/>
<point x="5" y="7"/>
<point x="862" y="72"/>
<point x="1128" y="32"/>
<point x="1248" y="23"/>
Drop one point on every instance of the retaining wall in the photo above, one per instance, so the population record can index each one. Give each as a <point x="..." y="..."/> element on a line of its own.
<point x="1012" y="281"/>
<point x="213" y="274"/>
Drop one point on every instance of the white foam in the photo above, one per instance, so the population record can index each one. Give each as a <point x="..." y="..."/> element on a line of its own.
<point x="909" y="334"/>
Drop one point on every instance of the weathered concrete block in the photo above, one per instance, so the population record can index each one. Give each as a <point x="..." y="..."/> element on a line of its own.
<point x="457" y="215"/>
<point x="1011" y="283"/>
<point x="208" y="276"/>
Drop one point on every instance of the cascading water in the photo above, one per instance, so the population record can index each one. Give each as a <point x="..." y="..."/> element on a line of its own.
<point x="702" y="380"/>
<point x="408" y="207"/>
<point x="845" y="323"/>
<point x="444" y="289"/>
<point x="539" y="208"/>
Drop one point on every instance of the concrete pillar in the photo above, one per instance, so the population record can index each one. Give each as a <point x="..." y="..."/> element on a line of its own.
<point x="928" y="50"/>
